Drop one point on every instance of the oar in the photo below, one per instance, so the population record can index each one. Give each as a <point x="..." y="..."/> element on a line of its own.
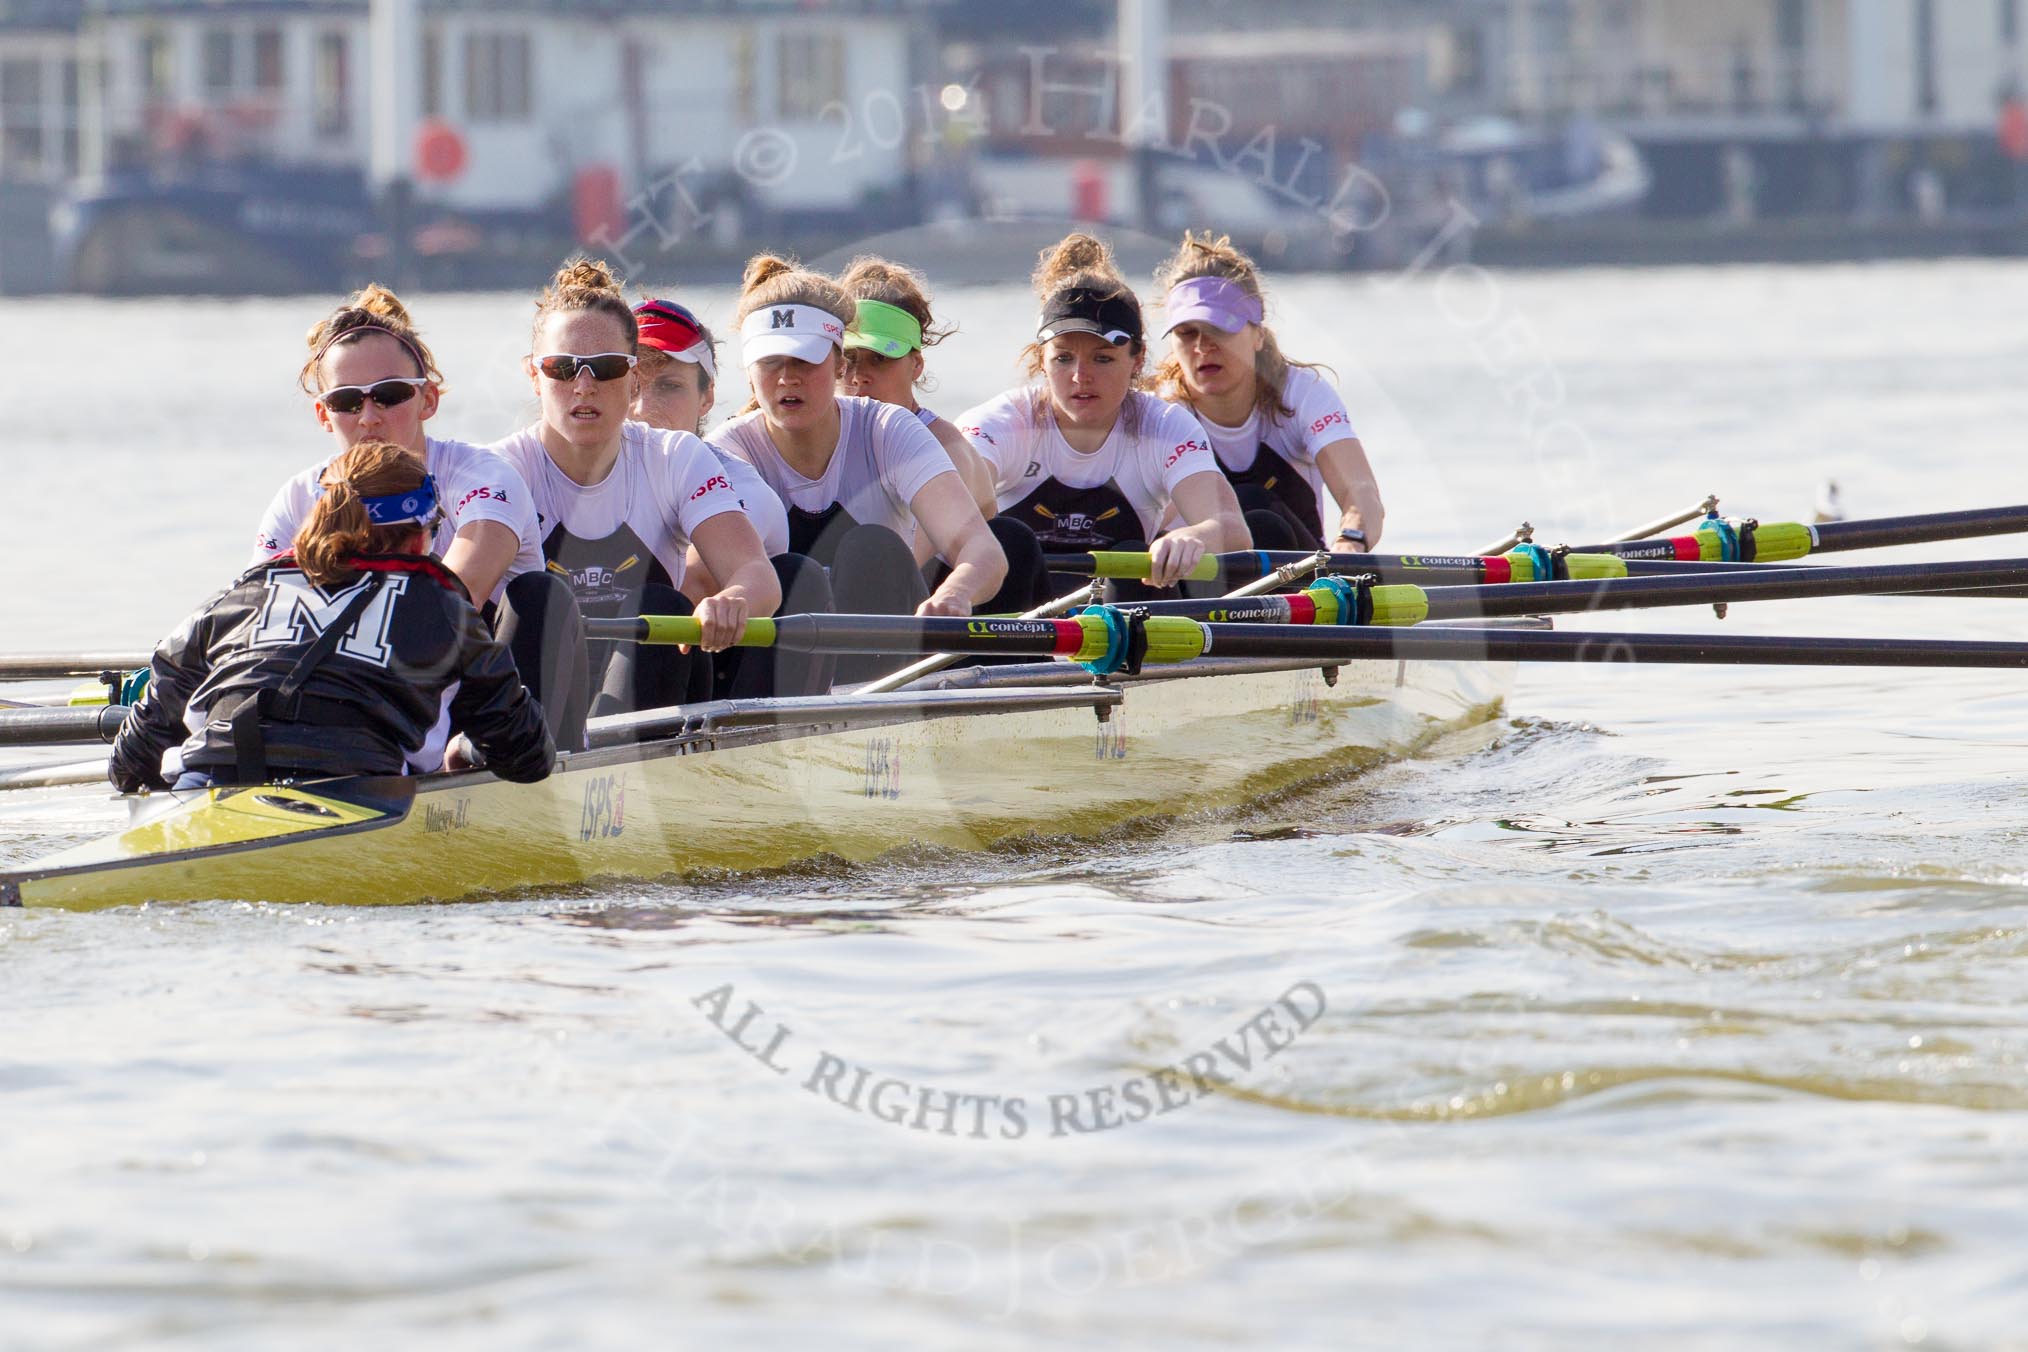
<point x="1085" y="596"/>
<point x="915" y="671"/>
<point x="1385" y="606"/>
<point x="1097" y="637"/>
<point x="1526" y="533"/>
<point x="56" y="666"/>
<point x="56" y="776"/>
<point x="1405" y="605"/>
<point x="1780" y="542"/>
<point x="41" y="727"/>
<point x="1716" y="542"/>
<point x="1432" y="570"/>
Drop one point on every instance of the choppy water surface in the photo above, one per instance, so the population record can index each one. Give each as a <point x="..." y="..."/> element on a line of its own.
<point x="1678" y="1007"/>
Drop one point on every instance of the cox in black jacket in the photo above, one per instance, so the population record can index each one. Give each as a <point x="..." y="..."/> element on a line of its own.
<point x="370" y="704"/>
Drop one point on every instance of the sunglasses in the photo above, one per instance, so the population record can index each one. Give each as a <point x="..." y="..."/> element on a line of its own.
<point x="384" y="393"/>
<point x="605" y="366"/>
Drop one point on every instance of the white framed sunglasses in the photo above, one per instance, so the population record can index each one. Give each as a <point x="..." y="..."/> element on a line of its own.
<point x="604" y="366"/>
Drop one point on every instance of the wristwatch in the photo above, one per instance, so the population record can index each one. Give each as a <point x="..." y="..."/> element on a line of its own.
<point x="1357" y="537"/>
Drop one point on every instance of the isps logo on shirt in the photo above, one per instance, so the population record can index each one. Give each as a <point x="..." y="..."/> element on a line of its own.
<point x="712" y="485"/>
<point x="482" y="494"/>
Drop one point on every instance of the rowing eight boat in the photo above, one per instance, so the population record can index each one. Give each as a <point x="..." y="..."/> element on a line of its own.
<point x="964" y="760"/>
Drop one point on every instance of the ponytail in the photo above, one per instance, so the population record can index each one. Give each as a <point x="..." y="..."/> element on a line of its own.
<point x="338" y="529"/>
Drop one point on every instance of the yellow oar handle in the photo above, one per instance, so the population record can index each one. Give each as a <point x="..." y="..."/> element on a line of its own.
<point x="1591" y="567"/>
<point x="1400" y="605"/>
<point x="1133" y="566"/>
<point x="686" y="629"/>
<point x="1780" y="541"/>
<point x="1773" y="542"/>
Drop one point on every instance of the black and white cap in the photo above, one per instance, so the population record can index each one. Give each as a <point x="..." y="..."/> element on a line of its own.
<point x="1112" y="314"/>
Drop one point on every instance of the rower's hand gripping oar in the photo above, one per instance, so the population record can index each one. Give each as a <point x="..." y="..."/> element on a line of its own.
<point x="1089" y="595"/>
<point x="1333" y="605"/>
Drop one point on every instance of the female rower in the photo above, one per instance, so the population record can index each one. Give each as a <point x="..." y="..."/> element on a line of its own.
<point x="860" y="477"/>
<point x="336" y="658"/>
<point x="1084" y="459"/>
<point x="1280" y="432"/>
<point x="371" y="377"/>
<point x="678" y="382"/>
<point x="678" y="385"/>
<point x="884" y="343"/>
<point x="621" y="501"/>
<point x="892" y="324"/>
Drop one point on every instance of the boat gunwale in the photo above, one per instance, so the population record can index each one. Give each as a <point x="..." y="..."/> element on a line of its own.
<point x="966" y="692"/>
<point x="890" y="710"/>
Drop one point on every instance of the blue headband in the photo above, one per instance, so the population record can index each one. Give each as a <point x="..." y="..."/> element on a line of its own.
<point x="398" y="509"/>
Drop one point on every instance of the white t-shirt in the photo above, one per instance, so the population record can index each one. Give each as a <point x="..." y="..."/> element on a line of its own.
<point x="663" y="486"/>
<point x="473" y="484"/>
<point x="761" y="504"/>
<point x="1018" y="436"/>
<point x="1319" y="419"/>
<point x="885" y="456"/>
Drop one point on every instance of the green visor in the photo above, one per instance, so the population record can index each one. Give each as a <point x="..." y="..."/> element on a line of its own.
<point x="887" y="329"/>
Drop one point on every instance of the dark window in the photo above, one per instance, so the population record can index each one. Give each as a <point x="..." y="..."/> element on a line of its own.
<point x="1792" y="34"/>
<point x="158" y="66"/>
<point x="218" y="45"/>
<point x="1925" y="56"/>
<point x="809" y="74"/>
<point x="267" y="60"/>
<point x="499" y="77"/>
<point x="330" y="93"/>
<point x="1792" y="25"/>
<point x="69" y="77"/>
<point x="21" y="118"/>
<point x="433" y="72"/>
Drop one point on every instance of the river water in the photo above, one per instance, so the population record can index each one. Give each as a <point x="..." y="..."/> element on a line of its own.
<point x="1676" y="1007"/>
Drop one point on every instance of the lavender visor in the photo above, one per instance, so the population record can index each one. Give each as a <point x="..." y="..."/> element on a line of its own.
<point x="1217" y="301"/>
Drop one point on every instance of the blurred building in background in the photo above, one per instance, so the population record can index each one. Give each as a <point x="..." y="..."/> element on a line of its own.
<point x="1776" y="107"/>
<point x="268" y="144"/>
<point x="271" y="143"/>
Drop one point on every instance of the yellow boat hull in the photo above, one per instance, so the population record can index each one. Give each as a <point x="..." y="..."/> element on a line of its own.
<point x="1067" y="761"/>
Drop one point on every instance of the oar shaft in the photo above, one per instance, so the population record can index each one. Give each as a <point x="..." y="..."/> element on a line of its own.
<point x="57" y="666"/>
<point x="49" y="727"/>
<point x="1759" y="583"/>
<point x="1925" y="529"/>
<point x="1424" y="570"/>
<point x="1175" y="639"/>
<point x="1782" y="541"/>
<point x="1506" y="645"/>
